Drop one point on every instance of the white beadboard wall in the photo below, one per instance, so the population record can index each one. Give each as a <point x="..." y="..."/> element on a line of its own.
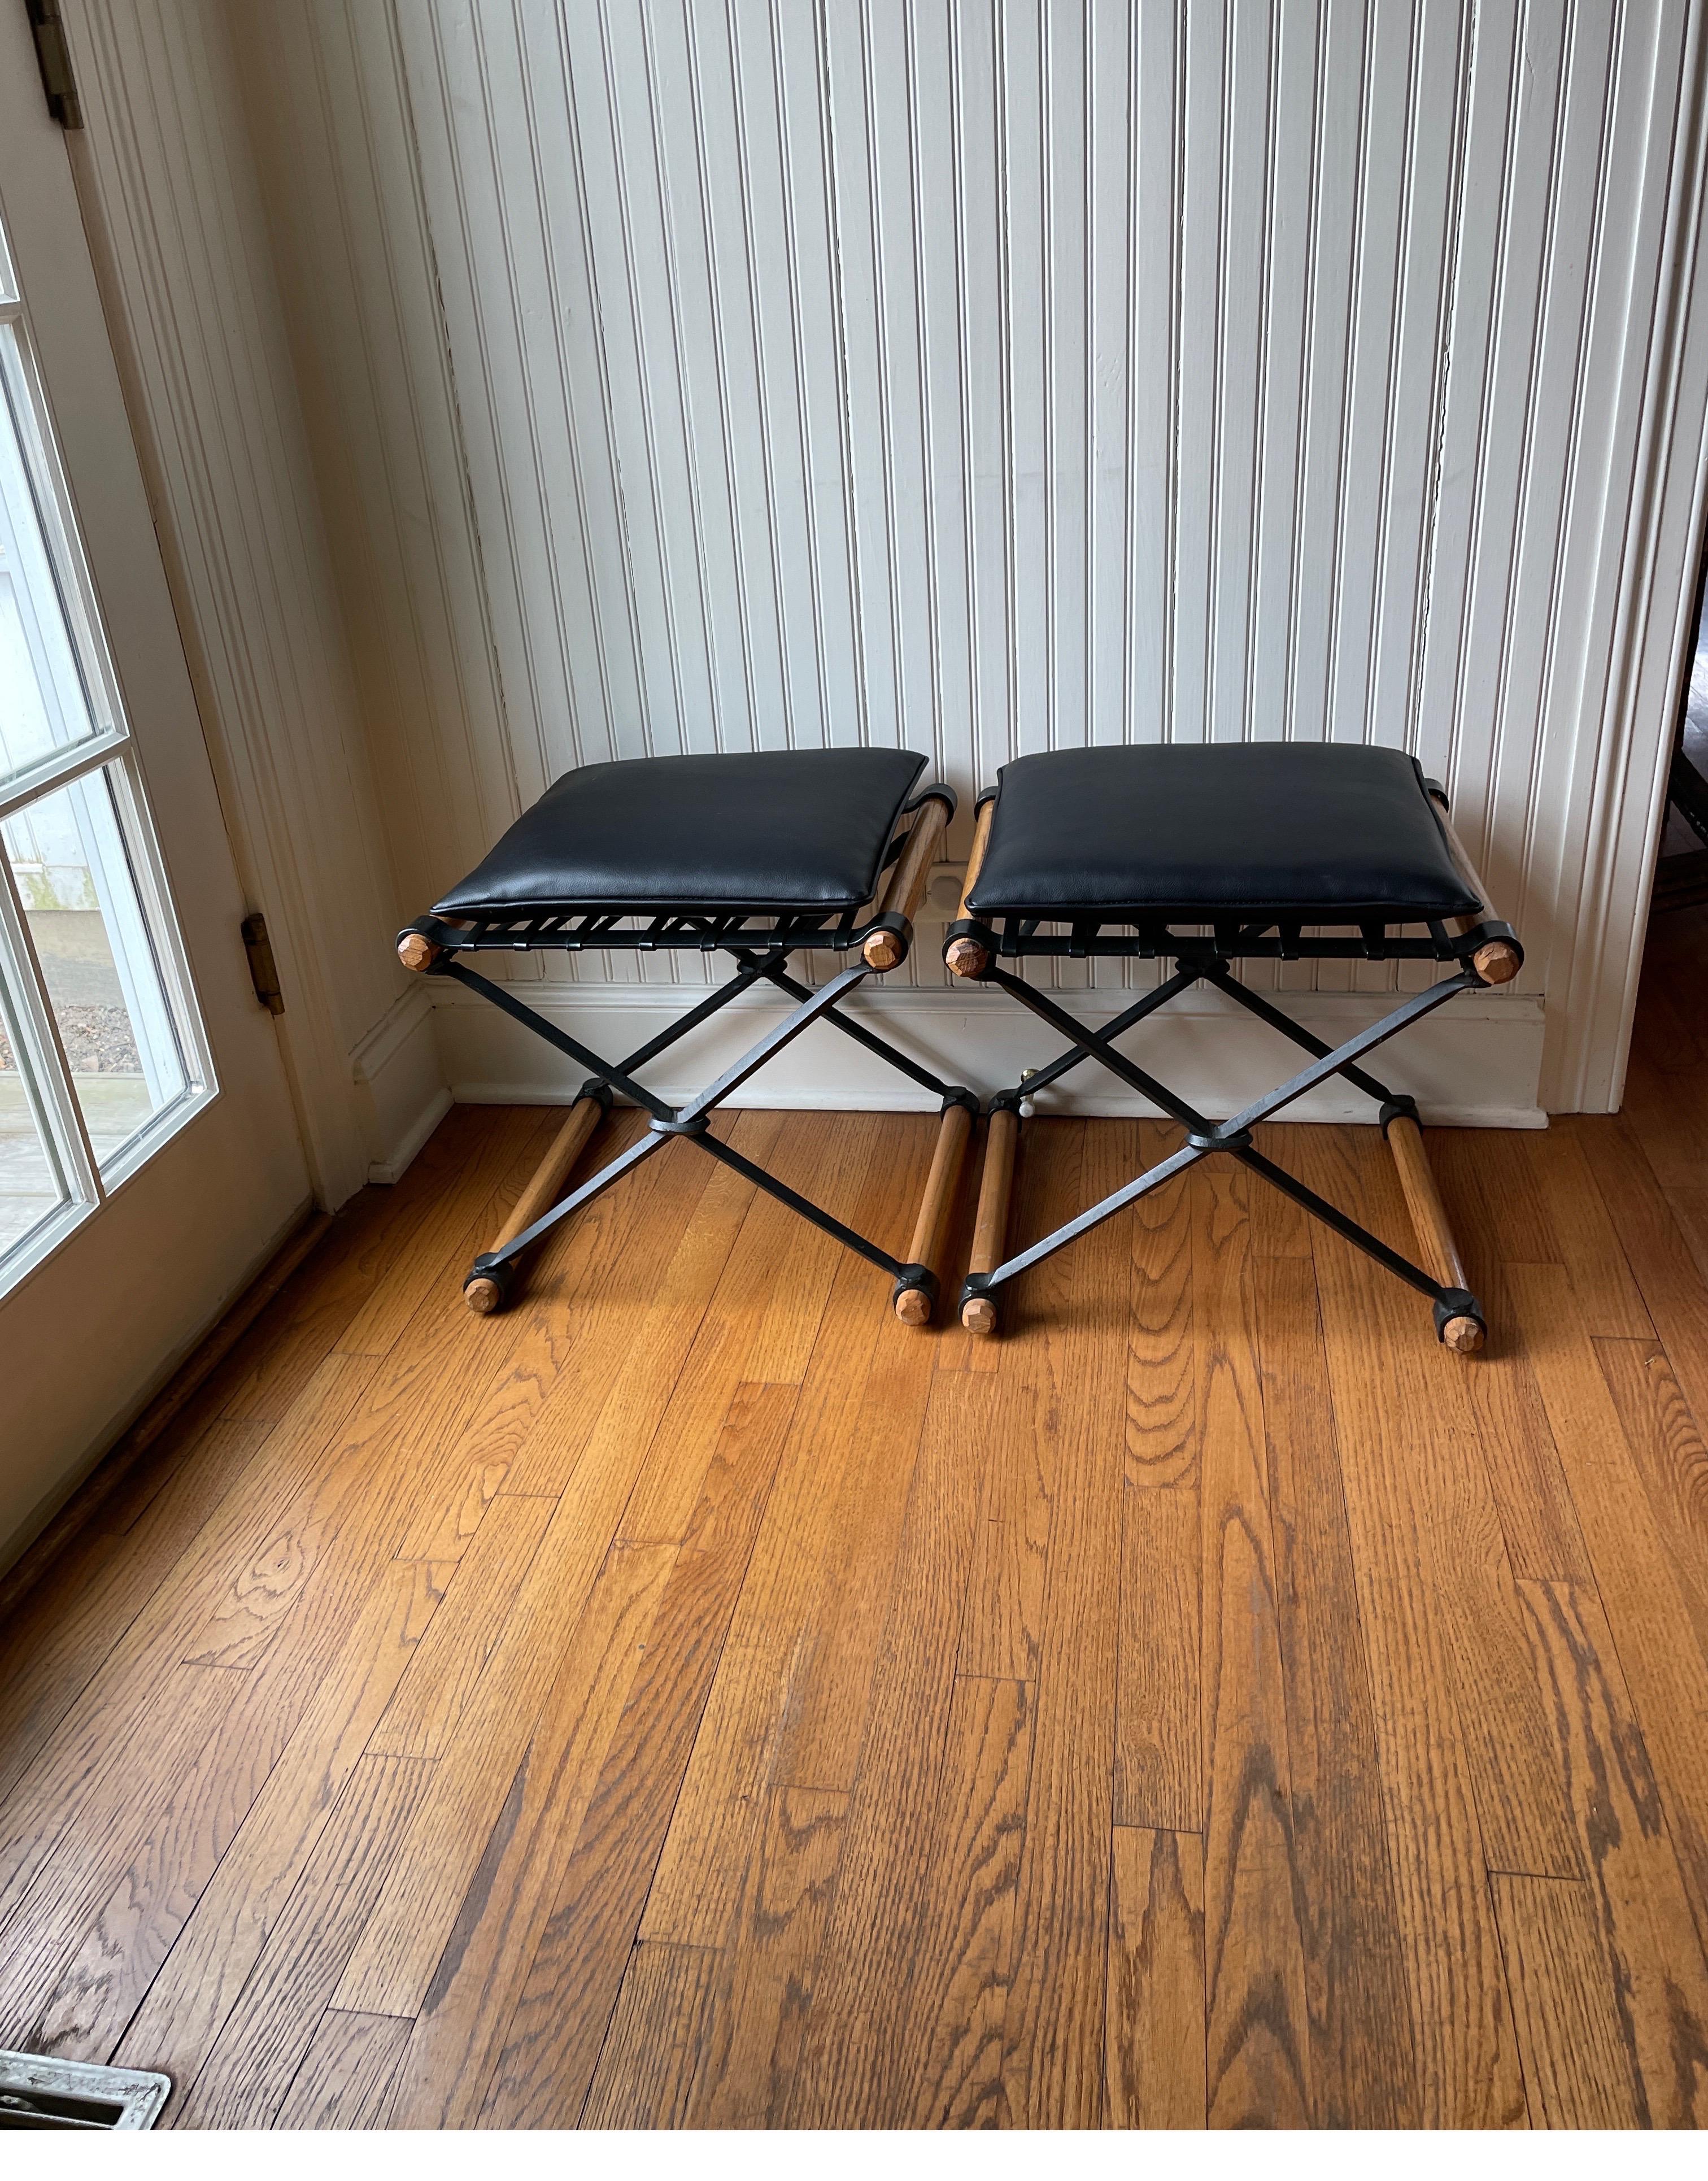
<point x="996" y="375"/>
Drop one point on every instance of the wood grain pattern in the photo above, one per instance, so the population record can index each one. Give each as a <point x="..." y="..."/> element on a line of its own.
<point x="551" y="2000"/>
<point x="1069" y="1340"/>
<point x="691" y="1699"/>
<point x="1657" y="1968"/>
<point x="1154" y="2032"/>
<point x="344" y="2081"/>
<point x="1257" y="2056"/>
<point x="1362" y="2042"/>
<point x="949" y="2072"/>
<point x="657" y="2041"/>
<point x="1576" y="2066"/>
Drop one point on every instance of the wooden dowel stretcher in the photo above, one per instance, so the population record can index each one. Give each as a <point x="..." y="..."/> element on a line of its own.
<point x="1440" y="1253"/>
<point x="966" y="957"/>
<point x="936" y="1209"/>
<point x="484" y="1296"/>
<point x="908" y="883"/>
<point x="990" y="1227"/>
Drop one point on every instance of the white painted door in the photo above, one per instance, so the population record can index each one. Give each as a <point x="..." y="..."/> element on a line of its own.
<point x="148" y="1156"/>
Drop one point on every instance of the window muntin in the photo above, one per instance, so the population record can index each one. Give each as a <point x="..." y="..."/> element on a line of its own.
<point x="102" y="1054"/>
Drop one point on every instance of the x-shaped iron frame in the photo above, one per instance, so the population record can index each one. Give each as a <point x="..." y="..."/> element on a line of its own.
<point x="1458" y="1314"/>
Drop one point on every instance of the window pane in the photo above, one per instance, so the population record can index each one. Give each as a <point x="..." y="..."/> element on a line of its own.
<point x="30" y="1184"/>
<point x="103" y="979"/>
<point x="51" y="691"/>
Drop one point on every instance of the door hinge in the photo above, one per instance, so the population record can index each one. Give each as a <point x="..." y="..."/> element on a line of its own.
<point x="53" y="57"/>
<point x="263" y="971"/>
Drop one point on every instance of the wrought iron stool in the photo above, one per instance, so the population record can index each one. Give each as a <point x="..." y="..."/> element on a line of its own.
<point x="1094" y="852"/>
<point x="760" y="854"/>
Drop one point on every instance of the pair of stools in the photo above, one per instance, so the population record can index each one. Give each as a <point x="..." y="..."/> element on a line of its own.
<point x="1203" y="855"/>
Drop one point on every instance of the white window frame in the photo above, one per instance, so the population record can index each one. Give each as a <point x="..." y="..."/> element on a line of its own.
<point x="37" y="1044"/>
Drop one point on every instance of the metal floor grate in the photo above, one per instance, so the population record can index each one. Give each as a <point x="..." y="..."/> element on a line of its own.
<point x="35" y="2092"/>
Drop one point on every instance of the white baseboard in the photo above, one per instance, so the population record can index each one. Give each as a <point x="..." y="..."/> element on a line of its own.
<point x="397" y="1069"/>
<point x="1476" y="1064"/>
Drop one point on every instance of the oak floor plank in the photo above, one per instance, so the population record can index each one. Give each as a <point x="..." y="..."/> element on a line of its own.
<point x="540" y="2013"/>
<point x="658" y="2040"/>
<point x="1468" y="2067"/>
<point x="637" y="1329"/>
<point x="1279" y="1227"/>
<point x="1577" y="2067"/>
<point x="1661" y="1645"/>
<point x="248" y="2073"/>
<point x="831" y="1683"/>
<point x="1659" y="1976"/>
<point x="462" y="2012"/>
<point x="126" y="1684"/>
<point x="1257" y="2032"/>
<point x="853" y="2053"/>
<point x="1161" y="1395"/>
<point x="1667" y="1443"/>
<point x="1521" y="1805"/>
<point x="775" y="1939"/>
<point x="589" y="1297"/>
<point x="1494" y="1204"/>
<point x="1363" y="2071"/>
<point x="1538" y="1518"/>
<point x="1155" y="2059"/>
<point x="1159" y="1729"/>
<point x="950" y="2072"/>
<point x="1002" y="1622"/>
<point x="440" y="1246"/>
<point x="452" y="1653"/>
<point x="1609" y="1300"/>
<point x="345" y="2078"/>
<point x="533" y="1727"/>
<point x="1673" y="1287"/>
<point x="775" y="1641"/>
<point x="226" y="1929"/>
<point x="758" y="1327"/>
<point x="1068" y="1339"/>
<point x="53" y="1647"/>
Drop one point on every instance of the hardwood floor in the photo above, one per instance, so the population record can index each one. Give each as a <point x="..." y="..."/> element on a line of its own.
<point x="691" y="1699"/>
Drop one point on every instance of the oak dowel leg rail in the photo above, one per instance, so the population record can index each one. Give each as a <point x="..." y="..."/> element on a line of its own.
<point x="936" y="1208"/>
<point x="883" y="950"/>
<point x="484" y="1294"/>
<point x="1440" y="1251"/>
<point x="990" y="1227"/>
<point x="965" y="956"/>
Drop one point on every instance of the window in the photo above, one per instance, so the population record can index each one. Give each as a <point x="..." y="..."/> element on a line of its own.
<point x="102" y="1052"/>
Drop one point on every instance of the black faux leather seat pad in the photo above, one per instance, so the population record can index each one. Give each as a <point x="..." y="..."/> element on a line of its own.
<point x="764" y="832"/>
<point x="1316" y="830"/>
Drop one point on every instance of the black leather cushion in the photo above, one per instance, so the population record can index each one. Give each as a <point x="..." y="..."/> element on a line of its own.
<point x="763" y="830"/>
<point x="1319" y="830"/>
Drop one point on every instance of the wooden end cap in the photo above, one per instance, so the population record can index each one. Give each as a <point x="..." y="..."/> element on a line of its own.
<point x="1463" y="1335"/>
<point x="883" y="950"/>
<point x="979" y="1315"/>
<point x="416" y="950"/>
<point x="966" y="957"/>
<point x="913" y="1306"/>
<point x="483" y="1297"/>
<point x="1498" y="963"/>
